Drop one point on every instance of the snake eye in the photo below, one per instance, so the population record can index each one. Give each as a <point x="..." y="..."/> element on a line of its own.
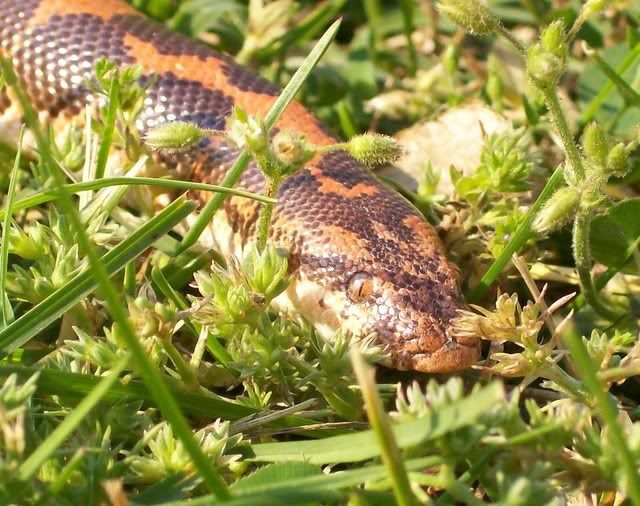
<point x="360" y="286"/>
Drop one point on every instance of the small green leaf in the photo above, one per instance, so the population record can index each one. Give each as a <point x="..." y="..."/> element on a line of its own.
<point x="616" y="233"/>
<point x="274" y="473"/>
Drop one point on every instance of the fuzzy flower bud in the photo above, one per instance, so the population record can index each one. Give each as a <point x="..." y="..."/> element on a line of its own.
<point x="594" y="143"/>
<point x="472" y="15"/>
<point x="553" y="39"/>
<point x="592" y="7"/>
<point x="290" y="149"/>
<point x="617" y="163"/>
<point x="546" y="60"/>
<point x="28" y="246"/>
<point x="175" y="136"/>
<point x="374" y="149"/>
<point x="558" y="210"/>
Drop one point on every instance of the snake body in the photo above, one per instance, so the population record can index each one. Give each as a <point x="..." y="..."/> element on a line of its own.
<point x="362" y="257"/>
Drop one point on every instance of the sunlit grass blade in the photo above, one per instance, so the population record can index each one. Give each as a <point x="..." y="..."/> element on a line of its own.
<point x="40" y="316"/>
<point x="305" y="29"/>
<point x="596" y="102"/>
<point x="33" y="462"/>
<point x="51" y="195"/>
<point x="607" y="410"/>
<point x="323" y="488"/>
<point x="109" y="127"/>
<point x="381" y="426"/>
<point x="241" y="163"/>
<point x="5" y="309"/>
<point x="517" y="240"/>
<point x="631" y="96"/>
<point x="373" y="11"/>
<point x="75" y="385"/>
<point x="362" y="445"/>
<point x="408" y="7"/>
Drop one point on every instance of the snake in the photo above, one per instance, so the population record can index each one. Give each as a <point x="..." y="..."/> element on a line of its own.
<point x="362" y="258"/>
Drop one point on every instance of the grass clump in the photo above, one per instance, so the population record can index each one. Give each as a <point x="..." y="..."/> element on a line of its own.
<point x="138" y="369"/>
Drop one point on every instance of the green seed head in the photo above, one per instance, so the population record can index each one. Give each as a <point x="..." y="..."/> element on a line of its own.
<point x="472" y="15"/>
<point x="592" y="7"/>
<point x="175" y="136"/>
<point x="553" y="39"/>
<point x="546" y="60"/>
<point x="374" y="149"/>
<point x="617" y="161"/>
<point x="594" y="143"/>
<point x="543" y="67"/>
<point x="558" y="210"/>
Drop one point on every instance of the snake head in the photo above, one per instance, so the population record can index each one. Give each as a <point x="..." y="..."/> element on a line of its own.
<point x="369" y="263"/>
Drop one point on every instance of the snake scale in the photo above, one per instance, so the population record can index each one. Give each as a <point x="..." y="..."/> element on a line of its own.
<point x="363" y="257"/>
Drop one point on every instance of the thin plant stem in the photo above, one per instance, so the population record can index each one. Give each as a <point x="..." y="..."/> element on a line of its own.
<point x="5" y="309"/>
<point x="511" y="38"/>
<point x="109" y="127"/>
<point x="184" y="370"/>
<point x="558" y="375"/>
<point x="583" y="260"/>
<point x="407" y="7"/>
<point x="264" y="218"/>
<point x="373" y="11"/>
<point x="560" y="119"/>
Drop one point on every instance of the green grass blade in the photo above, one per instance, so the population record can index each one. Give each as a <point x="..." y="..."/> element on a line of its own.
<point x="33" y="462"/>
<point x="518" y="240"/>
<point x="631" y="96"/>
<point x="75" y="385"/>
<point x="408" y="7"/>
<point x="241" y="163"/>
<point x="383" y="431"/>
<point x="321" y="488"/>
<point x="363" y="445"/>
<point x="5" y="309"/>
<point x="607" y="410"/>
<point x="373" y="11"/>
<point x="596" y="103"/>
<point x="51" y="195"/>
<point x="40" y="316"/>
<point x="305" y="29"/>
<point x="109" y="127"/>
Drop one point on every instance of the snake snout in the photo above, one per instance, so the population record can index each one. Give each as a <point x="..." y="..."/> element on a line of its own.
<point x="431" y="348"/>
